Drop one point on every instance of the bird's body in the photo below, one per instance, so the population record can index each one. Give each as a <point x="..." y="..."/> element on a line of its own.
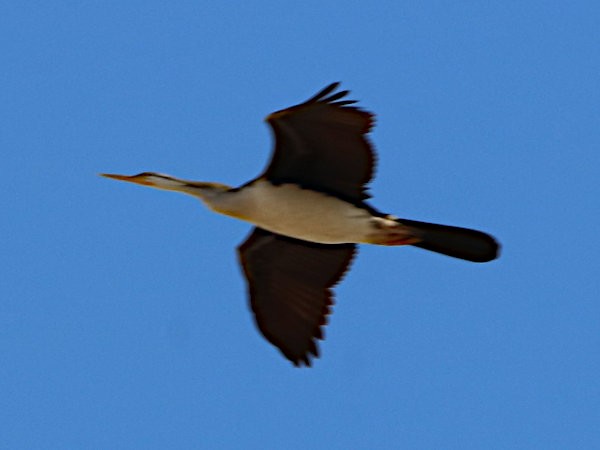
<point x="305" y="214"/>
<point x="302" y="213"/>
<point x="309" y="212"/>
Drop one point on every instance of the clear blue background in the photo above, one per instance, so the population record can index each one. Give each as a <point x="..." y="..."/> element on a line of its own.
<point x="123" y="313"/>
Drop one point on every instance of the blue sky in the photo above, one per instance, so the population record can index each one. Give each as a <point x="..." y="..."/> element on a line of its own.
<point x="123" y="314"/>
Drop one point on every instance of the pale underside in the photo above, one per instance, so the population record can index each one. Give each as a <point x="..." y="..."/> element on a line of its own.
<point x="289" y="210"/>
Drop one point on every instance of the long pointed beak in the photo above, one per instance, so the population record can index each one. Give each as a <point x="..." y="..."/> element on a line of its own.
<point x="137" y="179"/>
<point x="114" y="176"/>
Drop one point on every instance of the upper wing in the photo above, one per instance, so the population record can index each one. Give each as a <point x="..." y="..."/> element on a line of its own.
<point x="320" y="144"/>
<point x="289" y="283"/>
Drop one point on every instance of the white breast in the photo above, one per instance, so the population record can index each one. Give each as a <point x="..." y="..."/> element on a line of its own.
<point x="300" y="213"/>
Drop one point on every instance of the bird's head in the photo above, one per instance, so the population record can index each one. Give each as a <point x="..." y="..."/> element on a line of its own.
<point x="152" y="179"/>
<point x="169" y="183"/>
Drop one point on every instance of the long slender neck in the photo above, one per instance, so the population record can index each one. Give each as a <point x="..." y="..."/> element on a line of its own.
<point x="206" y="191"/>
<point x="216" y="196"/>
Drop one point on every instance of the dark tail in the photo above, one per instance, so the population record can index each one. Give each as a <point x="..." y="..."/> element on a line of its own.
<point x="458" y="242"/>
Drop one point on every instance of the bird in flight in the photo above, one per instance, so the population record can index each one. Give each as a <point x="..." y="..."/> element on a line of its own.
<point x="308" y="210"/>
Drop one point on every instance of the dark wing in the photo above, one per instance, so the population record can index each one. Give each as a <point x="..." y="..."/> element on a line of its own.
<point x="289" y="282"/>
<point x="321" y="145"/>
